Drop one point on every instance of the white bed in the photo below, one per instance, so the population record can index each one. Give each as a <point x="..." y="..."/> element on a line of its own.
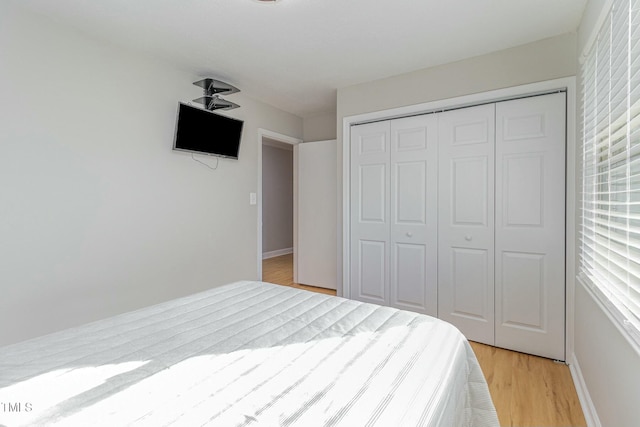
<point x="248" y="353"/>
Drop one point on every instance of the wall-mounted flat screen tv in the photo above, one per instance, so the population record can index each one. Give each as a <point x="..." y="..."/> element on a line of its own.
<point x="205" y="132"/>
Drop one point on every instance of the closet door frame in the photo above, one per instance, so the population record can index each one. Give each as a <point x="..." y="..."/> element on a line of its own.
<point x="567" y="84"/>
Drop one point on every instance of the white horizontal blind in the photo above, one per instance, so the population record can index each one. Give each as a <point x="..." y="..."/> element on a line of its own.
<point x="610" y="218"/>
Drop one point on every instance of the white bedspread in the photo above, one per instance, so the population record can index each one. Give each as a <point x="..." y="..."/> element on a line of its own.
<point x="248" y="354"/>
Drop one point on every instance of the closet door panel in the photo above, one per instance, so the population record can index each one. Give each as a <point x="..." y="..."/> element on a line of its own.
<point x="523" y="300"/>
<point x="469" y="283"/>
<point x="469" y="189"/>
<point x="466" y="221"/>
<point x="413" y="232"/>
<point x="409" y="277"/>
<point x="530" y="229"/>
<point x="371" y="262"/>
<point x="370" y="212"/>
<point x="410" y="204"/>
<point x="372" y="200"/>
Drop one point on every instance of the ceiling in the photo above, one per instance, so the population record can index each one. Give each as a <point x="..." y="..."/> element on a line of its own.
<point x="295" y="54"/>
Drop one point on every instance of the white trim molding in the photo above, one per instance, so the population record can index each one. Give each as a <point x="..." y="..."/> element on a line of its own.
<point x="278" y="252"/>
<point x="566" y="83"/>
<point x="588" y="408"/>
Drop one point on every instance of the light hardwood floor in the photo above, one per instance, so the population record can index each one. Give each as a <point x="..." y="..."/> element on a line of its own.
<point x="526" y="390"/>
<point x="279" y="270"/>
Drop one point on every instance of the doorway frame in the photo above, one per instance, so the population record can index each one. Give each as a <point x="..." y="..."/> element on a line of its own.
<point x="286" y="139"/>
<point x="565" y="83"/>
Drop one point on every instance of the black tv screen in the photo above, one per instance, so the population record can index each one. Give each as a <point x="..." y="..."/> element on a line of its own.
<point x="204" y="132"/>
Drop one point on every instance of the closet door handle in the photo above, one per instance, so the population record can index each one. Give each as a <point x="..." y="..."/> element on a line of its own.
<point x="409" y="234"/>
<point x="468" y="238"/>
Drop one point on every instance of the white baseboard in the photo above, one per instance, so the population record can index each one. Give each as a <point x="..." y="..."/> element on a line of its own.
<point x="279" y="252"/>
<point x="589" y="410"/>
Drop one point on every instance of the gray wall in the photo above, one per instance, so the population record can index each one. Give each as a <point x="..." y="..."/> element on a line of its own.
<point x="543" y="60"/>
<point x="277" y="198"/>
<point x="608" y="361"/>
<point x="320" y="127"/>
<point x="97" y="214"/>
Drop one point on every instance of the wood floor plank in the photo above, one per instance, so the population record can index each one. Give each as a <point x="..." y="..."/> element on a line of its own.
<point x="527" y="390"/>
<point x="530" y="401"/>
<point x="279" y="270"/>
<point x="566" y="405"/>
<point x="500" y="380"/>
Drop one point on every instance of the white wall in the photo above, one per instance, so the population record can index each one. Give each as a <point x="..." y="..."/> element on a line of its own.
<point x="608" y="364"/>
<point x="277" y="198"/>
<point x="320" y="127"/>
<point x="97" y="214"/>
<point x="606" y="361"/>
<point x="543" y="60"/>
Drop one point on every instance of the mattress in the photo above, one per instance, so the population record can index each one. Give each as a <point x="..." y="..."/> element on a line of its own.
<point x="248" y="354"/>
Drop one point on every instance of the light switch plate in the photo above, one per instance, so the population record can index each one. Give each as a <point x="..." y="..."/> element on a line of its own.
<point x="252" y="198"/>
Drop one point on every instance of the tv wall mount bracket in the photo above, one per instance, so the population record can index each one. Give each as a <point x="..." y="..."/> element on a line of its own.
<point x="212" y="90"/>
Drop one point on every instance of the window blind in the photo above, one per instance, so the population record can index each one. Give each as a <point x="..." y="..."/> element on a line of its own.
<point x="610" y="197"/>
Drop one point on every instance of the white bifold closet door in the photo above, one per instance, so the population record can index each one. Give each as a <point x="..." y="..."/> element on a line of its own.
<point x="466" y="221"/>
<point x="530" y="225"/>
<point x="501" y="226"/>
<point x="370" y="222"/>
<point x="461" y="215"/>
<point x="394" y="213"/>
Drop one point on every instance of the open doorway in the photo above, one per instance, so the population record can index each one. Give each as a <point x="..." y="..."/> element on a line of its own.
<point x="277" y="208"/>
<point x="297" y="190"/>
